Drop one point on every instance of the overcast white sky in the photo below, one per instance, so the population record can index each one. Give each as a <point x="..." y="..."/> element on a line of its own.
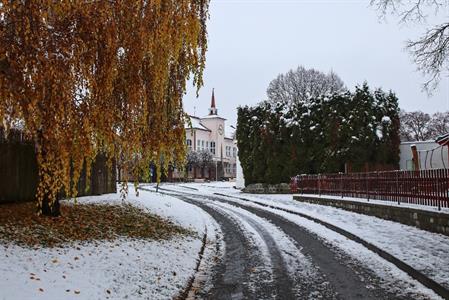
<point x="252" y="41"/>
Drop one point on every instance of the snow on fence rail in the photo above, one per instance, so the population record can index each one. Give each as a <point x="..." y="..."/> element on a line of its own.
<point x="425" y="187"/>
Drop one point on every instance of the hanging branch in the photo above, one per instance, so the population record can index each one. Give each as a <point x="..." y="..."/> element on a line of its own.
<point x="87" y="77"/>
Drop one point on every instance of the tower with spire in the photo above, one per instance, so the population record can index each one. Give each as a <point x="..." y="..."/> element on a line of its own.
<point x="208" y="134"/>
<point x="212" y="109"/>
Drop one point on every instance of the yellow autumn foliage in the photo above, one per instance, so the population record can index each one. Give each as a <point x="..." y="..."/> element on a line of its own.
<point x="84" y="77"/>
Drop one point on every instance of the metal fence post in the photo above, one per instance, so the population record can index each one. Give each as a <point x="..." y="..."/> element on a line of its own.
<point x="366" y="186"/>
<point x="397" y="188"/>
<point x="319" y="184"/>
<point x="341" y="184"/>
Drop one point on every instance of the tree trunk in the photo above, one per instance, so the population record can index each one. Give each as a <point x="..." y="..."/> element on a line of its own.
<point x="50" y="211"/>
<point x="46" y="208"/>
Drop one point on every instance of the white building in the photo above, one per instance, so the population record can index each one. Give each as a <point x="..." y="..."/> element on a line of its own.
<point x="211" y="133"/>
<point x="431" y="155"/>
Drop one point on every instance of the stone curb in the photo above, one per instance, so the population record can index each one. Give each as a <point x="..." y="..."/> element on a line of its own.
<point x="186" y="293"/>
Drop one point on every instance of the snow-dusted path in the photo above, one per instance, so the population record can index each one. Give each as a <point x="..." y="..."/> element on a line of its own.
<point x="276" y="255"/>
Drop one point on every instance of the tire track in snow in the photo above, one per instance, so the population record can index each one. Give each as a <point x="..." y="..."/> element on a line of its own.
<point x="296" y="276"/>
<point x="346" y="282"/>
<point x="232" y="274"/>
<point x="261" y="279"/>
<point x="429" y="286"/>
<point x="351" y="282"/>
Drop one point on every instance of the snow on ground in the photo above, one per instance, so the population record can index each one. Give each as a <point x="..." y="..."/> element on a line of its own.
<point x="425" y="251"/>
<point x="293" y="258"/>
<point x="395" y="280"/>
<point x="228" y="188"/>
<point x="178" y="211"/>
<point x="443" y="210"/>
<point x="124" y="269"/>
<point x="121" y="269"/>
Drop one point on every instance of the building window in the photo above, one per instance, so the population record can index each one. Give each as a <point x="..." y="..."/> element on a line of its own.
<point x="207" y="145"/>
<point x="198" y="145"/>
<point x="212" y="147"/>
<point x="228" y="151"/>
<point x="189" y="144"/>
<point x="202" y="145"/>
<point x="234" y="152"/>
<point x="226" y="168"/>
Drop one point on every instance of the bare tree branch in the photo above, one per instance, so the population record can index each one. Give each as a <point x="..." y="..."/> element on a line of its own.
<point x="299" y="85"/>
<point x="431" y="51"/>
<point x="415" y="126"/>
<point x="408" y="10"/>
<point x="419" y="126"/>
<point x="439" y="124"/>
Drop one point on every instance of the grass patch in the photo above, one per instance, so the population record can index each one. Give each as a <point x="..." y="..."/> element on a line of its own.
<point x="82" y="223"/>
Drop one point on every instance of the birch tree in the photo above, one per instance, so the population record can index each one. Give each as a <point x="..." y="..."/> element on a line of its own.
<point x="98" y="76"/>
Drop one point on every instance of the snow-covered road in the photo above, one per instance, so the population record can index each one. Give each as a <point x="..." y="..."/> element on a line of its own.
<point x="252" y="252"/>
<point x="271" y="254"/>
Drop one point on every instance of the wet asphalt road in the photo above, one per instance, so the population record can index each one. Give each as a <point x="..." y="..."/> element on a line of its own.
<point x="238" y="276"/>
<point x="242" y="272"/>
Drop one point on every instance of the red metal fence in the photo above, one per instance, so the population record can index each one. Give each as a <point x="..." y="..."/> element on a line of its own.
<point x="425" y="187"/>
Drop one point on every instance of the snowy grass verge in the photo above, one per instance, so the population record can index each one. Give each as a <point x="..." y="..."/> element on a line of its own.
<point x="112" y="270"/>
<point x="123" y="268"/>
<point x="442" y="210"/>
<point x="84" y="222"/>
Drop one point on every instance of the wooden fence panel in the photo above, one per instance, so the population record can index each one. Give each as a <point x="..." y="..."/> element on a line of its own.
<point x="19" y="172"/>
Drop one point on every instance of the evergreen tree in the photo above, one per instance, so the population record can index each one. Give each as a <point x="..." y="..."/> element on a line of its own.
<point x="278" y="140"/>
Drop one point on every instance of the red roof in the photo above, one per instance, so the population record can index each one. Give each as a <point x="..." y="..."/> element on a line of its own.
<point x="443" y="140"/>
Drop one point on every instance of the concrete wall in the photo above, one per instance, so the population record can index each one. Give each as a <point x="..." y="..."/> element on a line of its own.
<point x="427" y="220"/>
<point x="262" y="188"/>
